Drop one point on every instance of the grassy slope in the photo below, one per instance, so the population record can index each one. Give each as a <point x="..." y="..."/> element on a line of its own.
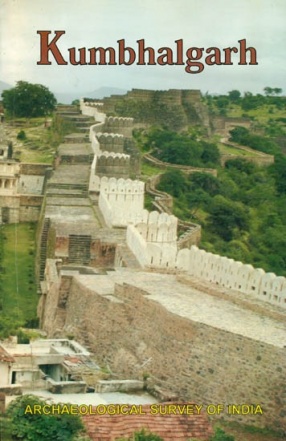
<point x="18" y="290"/>
<point x="262" y="114"/>
<point x="40" y="142"/>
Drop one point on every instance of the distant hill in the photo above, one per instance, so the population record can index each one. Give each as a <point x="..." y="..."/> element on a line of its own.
<point x="100" y="93"/>
<point x="4" y="86"/>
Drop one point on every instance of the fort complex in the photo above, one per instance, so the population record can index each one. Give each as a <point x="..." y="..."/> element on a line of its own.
<point x="134" y="290"/>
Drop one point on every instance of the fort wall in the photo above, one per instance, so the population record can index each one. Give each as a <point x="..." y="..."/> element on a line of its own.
<point x="185" y="168"/>
<point x="257" y="157"/>
<point x="121" y="201"/>
<point x="232" y="274"/>
<point x="84" y="249"/>
<point x="93" y="109"/>
<point x="107" y="164"/>
<point x="135" y="335"/>
<point x="111" y="142"/>
<point x="20" y="208"/>
<point x="121" y="125"/>
<point x="113" y="164"/>
<point x="94" y="129"/>
<point x="210" y="267"/>
<point x="21" y="189"/>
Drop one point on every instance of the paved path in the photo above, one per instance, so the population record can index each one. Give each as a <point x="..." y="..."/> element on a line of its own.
<point x="195" y="305"/>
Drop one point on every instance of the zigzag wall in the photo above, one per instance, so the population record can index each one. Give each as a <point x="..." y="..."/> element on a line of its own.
<point x="153" y="242"/>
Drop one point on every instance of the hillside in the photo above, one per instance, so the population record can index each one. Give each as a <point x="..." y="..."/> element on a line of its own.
<point x="242" y="211"/>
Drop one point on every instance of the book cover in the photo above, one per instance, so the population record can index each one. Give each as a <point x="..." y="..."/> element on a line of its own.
<point x="157" y="293"/>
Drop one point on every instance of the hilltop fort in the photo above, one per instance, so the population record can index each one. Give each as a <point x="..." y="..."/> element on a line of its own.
<point x="133" y="286"/>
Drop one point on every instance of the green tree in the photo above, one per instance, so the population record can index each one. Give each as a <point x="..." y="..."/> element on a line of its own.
<point x="250" y="101"/>
<point x="278" y="171"/>
<point x="142" y="435"/>
<point x="178" y="148"/>
<point x="240" y="164"/>
<point x="206" y="182"/>
<point x="28" y="100"/>
<point x="234" y="96"/>
<point x="10" y="324"/>
<point x="25" y="425"/>
<point x="242" y="136"/>
<point x="269" y="91"/>
<point x="222" y="102"/>
<point x="220" y="435"/>
<point x="173" y="182"/>
<point x="227" y="216"/>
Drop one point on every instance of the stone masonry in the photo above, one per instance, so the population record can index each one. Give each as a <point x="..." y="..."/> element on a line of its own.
<point x="172" y="315"/>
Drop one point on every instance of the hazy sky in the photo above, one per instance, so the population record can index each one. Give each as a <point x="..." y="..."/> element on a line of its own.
<point x="89" y="23"/>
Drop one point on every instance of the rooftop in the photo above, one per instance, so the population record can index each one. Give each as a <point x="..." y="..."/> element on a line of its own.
<point x="158" y="419"/>
<point x="5" y="357"/>
<point x="44" y="347"/>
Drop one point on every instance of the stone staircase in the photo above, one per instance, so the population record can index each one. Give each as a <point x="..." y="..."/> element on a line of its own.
<point x="43" y="247"/>
<point x="72" y="114"/>
<point x="79" y="248"/>
<point x="68" y="190"/>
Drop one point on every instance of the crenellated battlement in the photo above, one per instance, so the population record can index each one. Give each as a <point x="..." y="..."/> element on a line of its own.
<point x="121" y="201"/>
<point x="120" y="125"/>
<point x="152" y="237"/>
<point x="158" y="227"/>
<point x="109" y="136"/>
<point x="126" y="187"/>
<point x="109" y="155"/>
<point x="119" y="120"/>
<point x="232" y="274"/>
<point x="92" y="108"/>
<point x="111" y="142"/>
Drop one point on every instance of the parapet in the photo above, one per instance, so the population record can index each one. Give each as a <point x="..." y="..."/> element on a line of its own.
<point x="232" y="274"/>
<point x="111" y="142"/>
<point x="119" y="121"/>
<point x="121" y="186"/>
<point x="92" y="108"/>
<point x="159" y="228"/>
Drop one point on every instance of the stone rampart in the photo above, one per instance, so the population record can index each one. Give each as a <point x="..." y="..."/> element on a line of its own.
<point x="108" y="165"/>
<point x="232" y="274"/>
<point x="210" y="267"/>
<point x="111" y="142"/>
<point x="255" y="156"/>
<point x="20" y="208"/>
<point x="33" y="169"/>
<point x="171" y="96"/>
<point x="223" y="124"/>
<point x="30" y="208"/>
<point x="95" y="250"/>
<point x="115" y="165"/>
<point x="9" y="209"/>
<point x="121" y="200"/>
<point x="121" y="125"/>
<point x="93" y="137"/>
<point x="185" y="168"/>
<point x="159" y="227"/>
<point x="31" y="184"/>
<point x="195" y="361"/>
<point x="190" y="233"/>
<point x="94" y="109"/>
<point x="158" y="253"/>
